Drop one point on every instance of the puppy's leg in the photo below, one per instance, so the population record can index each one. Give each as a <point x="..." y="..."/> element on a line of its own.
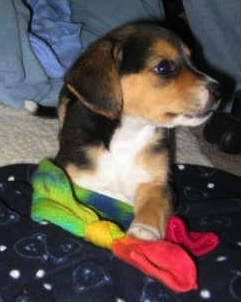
<point x="152" y="210"/>
<point x="153" y="198"/>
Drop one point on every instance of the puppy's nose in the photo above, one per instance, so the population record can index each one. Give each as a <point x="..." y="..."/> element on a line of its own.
<point x="215" y="89"/>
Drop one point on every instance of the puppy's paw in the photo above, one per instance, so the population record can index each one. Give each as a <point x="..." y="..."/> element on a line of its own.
<point x="143" y="232"/>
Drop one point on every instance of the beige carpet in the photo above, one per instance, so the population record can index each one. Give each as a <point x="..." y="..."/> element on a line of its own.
<point x="27" y="139"/>
<point x="223" y="161"/>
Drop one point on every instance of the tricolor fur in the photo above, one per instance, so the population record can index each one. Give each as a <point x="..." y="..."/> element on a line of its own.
<point x="118" y="100"/>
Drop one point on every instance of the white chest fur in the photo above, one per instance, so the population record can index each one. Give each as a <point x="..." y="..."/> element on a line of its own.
<point x="118" y="174"/>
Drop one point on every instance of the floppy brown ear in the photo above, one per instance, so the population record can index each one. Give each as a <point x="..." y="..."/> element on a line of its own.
<point x="95" y="80"/>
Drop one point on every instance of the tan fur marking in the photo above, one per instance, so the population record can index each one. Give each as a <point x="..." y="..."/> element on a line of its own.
<point x="144" y="97"/>
<point x="92" y="154"/>
<point x="164" y="50"/>
<point x="152" y="201"/>
<point x="95" y="152"/>
<point x="152" y="208"/>
<point x="157" y="164"/>
<point x="73" y="171"/>
<point x="62" y="110"/>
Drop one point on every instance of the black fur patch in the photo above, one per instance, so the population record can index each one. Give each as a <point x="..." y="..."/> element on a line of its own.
<point x="164" y="142"/>
<point x="82" y="129"/>
<point x="135" y="53"/>
<point x="137" y="48"/>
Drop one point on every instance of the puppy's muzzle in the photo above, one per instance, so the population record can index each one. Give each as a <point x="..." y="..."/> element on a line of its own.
<point x="214" y="92"/>
<point x="213" y="100"/>
<point x="211" y="103"/>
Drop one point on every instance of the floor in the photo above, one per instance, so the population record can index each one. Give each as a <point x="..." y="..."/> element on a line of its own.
<point x="220" y="160"/>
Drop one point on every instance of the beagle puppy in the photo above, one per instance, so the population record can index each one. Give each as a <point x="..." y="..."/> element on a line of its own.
<point x="118" y="101"/>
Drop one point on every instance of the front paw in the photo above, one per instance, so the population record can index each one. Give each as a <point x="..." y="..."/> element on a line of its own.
<point x="144" y="232"/>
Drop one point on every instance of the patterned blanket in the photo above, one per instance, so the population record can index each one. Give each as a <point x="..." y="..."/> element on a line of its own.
<point x="42" y="262"/>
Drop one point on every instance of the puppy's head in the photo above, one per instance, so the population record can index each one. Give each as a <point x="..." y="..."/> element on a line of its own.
<point x="143" y="71"/>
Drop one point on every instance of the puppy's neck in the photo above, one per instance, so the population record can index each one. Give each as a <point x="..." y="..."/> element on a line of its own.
<point x="134" y="123"/>
<point x="132" y="132"/>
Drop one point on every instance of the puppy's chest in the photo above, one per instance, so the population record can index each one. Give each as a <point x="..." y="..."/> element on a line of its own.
<point x="119" y="170"/>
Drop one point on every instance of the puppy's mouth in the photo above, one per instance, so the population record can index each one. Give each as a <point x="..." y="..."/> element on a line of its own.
<point x="194" y="119"/>
<point x="200" y="115"/>
<point x="204" y="113"/>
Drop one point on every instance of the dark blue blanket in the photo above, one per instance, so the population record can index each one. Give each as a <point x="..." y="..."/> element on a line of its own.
<point x="41" y="262"/>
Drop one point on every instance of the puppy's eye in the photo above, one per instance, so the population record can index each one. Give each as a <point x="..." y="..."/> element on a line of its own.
<point x="165" y="68"/>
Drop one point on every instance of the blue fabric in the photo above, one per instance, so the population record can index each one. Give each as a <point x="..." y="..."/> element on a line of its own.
<point x="17" y="80"/>
<point x="41" y="38"/>
<point x="217" y="27"/>
<point x="23" y="73"/>
<point x="98" y="17"/>
<point x="54" y="39"/>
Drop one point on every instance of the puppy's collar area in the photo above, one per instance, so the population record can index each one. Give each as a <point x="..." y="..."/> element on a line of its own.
<point x="135" y="130"/>
<point x="136" y="123"/>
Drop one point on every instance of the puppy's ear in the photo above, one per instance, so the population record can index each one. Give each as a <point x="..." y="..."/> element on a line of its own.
<point x="95" y="80"/>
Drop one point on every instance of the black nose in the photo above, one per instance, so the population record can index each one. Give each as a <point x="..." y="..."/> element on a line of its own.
<point x="215" y="89"/>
